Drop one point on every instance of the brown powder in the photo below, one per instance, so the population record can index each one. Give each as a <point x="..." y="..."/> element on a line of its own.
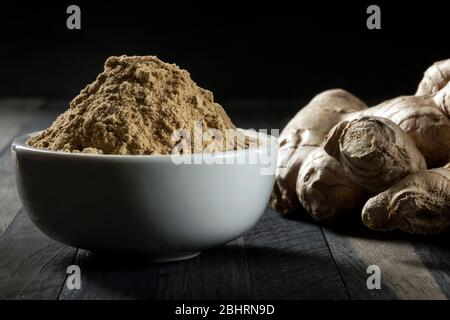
<point x="133" y="107"/>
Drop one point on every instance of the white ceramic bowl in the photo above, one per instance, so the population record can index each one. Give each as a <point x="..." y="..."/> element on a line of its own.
<point x="144" y="205"/>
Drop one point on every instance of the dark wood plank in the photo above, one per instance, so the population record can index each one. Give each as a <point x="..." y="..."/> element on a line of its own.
<point x="41" y="119"/>
<point x="113" y="278"/>
<point x="290" y="259"/>
<point x="403" y="273"/>
<point x="32" y="265"/>
<point x="9" y="198"/>
<point x="14" y="115"/>
<point x="219" y="273"/>
<point x="436" y="257"/>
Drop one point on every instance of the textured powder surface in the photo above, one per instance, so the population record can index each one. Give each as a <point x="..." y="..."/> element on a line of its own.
<point x="133" y="107"/>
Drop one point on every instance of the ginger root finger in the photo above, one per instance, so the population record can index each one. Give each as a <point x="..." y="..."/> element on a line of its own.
<point x="374" y="152"/>
<point x="324" y="189"/>
<point x="290" y="158"/>
<point x="434" y="78"/>
<point x="303" y="134"/>
<point x="419" y="203"/>
<point x="442" y="99"/>
<point x="422" y="119"/>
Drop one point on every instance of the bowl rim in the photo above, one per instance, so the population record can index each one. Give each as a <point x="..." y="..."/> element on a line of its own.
<point x="19" y="145"/>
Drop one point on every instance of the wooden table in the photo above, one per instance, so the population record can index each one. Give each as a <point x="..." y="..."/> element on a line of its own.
<point x="281" y="258"/>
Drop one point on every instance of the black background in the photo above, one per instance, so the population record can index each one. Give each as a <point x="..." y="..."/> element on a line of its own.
<point x="237" y="49"/>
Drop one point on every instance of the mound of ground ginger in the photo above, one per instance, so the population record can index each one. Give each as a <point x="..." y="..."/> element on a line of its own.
<point x="133" y="107"/>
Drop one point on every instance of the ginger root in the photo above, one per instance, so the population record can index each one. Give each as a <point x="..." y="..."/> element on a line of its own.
<point x="324" y="189"/>
<point x="300" y="155"/>
<point x="300" y="183"/>
<point x="419" y="203"/>
<point x="434" y="78"/>
<point x="374" y="152"/>
<point x="423" y="119"/>
<point x="307" y="176"/>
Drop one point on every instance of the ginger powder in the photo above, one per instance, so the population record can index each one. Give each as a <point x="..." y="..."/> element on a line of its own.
<point x="134" y="107"/>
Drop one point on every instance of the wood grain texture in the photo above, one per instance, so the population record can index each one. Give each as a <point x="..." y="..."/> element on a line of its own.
<point x="113" y="278"/>
<point x="41" y="119"/>
<point x="14" y="115"/>
<point x="403" y="273"/>
<point x="290" y="259"/>
<point x="9" y="198"/>
<point x="219" y="273"/>
<point x="32" y="265"/>
<point x="435" y="255"/>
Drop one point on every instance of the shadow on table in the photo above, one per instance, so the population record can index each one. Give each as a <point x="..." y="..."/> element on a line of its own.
<point x="353" y="227"/>
<point x="433" y="250"/>
<point x="235" y="271"/>
<point x="220" y="273"/>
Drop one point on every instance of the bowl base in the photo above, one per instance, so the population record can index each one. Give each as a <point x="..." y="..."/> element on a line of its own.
<point x="142" y="257"/>
<point x="172" y="257"/>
